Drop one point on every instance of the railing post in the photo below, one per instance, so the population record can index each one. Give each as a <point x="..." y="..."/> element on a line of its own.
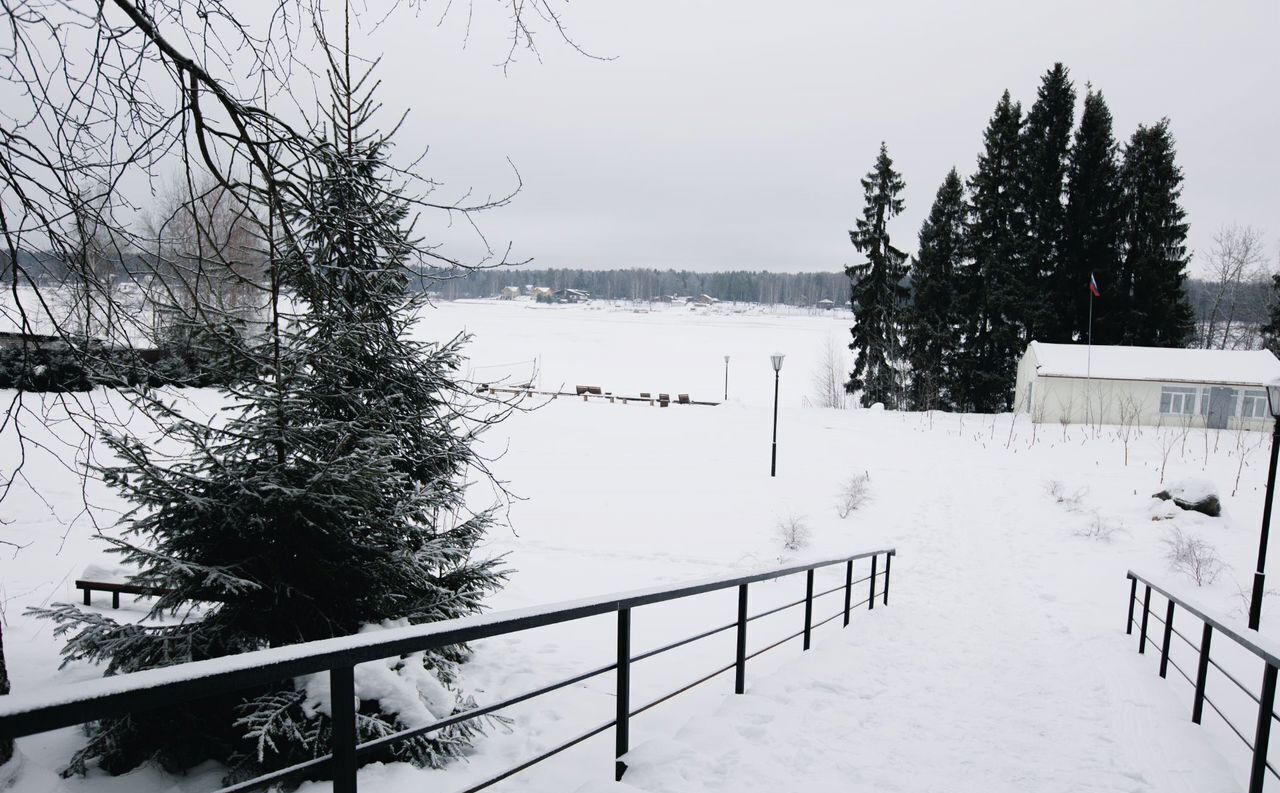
<point x="848" y="590"/>
<point x="1146" y="610"/>
<point x="740" y="671"/>
<point x="871" y="599"/>
<point x="1202" y="672"/>
<point x="342" y="698"/>
<point x="1133" y="599"/>
<point x="1267" y="701"/>
<point x="622" y="728"/>
<point x="808" y="607"/>
<point x="887" y="559"/>
<point x="1168" y="635"/>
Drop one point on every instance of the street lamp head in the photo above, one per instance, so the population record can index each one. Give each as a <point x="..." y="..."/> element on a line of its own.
<point x="777" y="361"/>
<point x="726" y="359"/>
<point x="1273" y="398"/>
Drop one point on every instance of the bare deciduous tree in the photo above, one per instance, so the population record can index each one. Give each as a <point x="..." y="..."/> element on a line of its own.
<point x="1236" y="261"/>
<point x="828" y="379"/>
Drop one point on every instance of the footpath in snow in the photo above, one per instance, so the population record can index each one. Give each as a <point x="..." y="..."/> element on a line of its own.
<point x="983" y="674"/>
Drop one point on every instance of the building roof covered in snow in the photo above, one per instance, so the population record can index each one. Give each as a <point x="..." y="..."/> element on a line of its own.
<point x="1237" y="367"/>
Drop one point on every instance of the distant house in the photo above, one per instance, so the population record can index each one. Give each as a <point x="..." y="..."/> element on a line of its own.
<point x="509" y="293"/>
<point x="826" y="305"/>
<point x="543" y="294"/>
<point x="705" y="300"/>
<point x="573" y="296"/>
<point x="1217" y="389"/>
<point x="38" y="341"/>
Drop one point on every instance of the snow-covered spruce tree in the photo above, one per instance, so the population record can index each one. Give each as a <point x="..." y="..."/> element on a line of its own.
<point x="991" y="296"/>
<point x="1154" y="308"/>
<point x="877" y="291"/>
<point x="330" y="499"/>
<point x="1094" y="222"/>
<point x="933" y="322"/>
<point x="1046" y="139"/>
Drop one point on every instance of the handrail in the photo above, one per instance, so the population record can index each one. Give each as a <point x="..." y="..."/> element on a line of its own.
<point x="1259" y="646"/>
<point x="26" y="713"/>
<point x="1251" y="640"/>
<point x="77" y="703"/>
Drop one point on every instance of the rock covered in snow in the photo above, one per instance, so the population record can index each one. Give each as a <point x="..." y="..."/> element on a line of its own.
<point x="1197" y="495"/>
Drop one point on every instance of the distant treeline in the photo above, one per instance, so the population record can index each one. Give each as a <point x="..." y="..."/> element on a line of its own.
<point x="797" y="289"/>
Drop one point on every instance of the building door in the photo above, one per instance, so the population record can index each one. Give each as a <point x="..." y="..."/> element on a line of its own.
<point x="1222" y="405"/>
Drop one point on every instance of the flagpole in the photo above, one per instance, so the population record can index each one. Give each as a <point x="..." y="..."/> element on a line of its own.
<point x="1088" y="356"/>
<point x="1088" y="360"/>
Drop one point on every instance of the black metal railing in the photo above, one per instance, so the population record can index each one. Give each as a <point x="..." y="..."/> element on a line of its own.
<point x="1250" y="641"/>
<point x="79" y="703"/>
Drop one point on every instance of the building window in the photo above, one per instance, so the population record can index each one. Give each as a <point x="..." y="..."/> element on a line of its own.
<point x="1254" y="405"/>
<point x="1177" y="401"/>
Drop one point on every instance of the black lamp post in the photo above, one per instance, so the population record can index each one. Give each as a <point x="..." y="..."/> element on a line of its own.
<point x="1259" y="576"/>
<point x="777" y="376"/>
<point x="726" y="378"/>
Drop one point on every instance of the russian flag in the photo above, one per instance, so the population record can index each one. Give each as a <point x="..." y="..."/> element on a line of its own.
<point x="1093" y="286"/>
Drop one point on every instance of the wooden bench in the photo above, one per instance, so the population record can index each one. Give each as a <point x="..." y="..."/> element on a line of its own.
<point x="115" y="590"/>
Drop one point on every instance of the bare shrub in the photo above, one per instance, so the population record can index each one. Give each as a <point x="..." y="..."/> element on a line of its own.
<point x="854" y="494"/>
<point x="1245" y="594"/>
<point x="1193" y="556"/>
<point x="1099" y="528"/>
<point x="1058" y="492"/>
<point x="793" y="532"/>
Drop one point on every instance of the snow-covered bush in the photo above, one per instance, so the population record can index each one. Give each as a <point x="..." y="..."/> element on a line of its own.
<point x="793" y="533"/>
<point x="854" y="494"/>
<point x="1193" y="556"/>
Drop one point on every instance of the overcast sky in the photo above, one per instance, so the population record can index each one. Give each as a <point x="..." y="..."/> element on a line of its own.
<point x="728" y="135"/>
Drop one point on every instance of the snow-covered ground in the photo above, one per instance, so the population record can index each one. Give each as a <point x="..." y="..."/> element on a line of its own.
<point x="1000" y="663"/>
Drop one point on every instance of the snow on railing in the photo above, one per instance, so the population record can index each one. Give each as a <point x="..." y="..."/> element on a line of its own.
<point x="1250" y="641"/>
<point x="27" y="713"/>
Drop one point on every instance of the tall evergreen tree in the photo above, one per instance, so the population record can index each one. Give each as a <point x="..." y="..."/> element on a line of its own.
<point x="331" y="498"/>
<point x="933" y="321"/>
<point x="1046" y="136"/>
<point x="1093" y="224"/>
<point x="877" y="290"/>
<point x="992" y="297"/>
<point x="1154" y="308"/>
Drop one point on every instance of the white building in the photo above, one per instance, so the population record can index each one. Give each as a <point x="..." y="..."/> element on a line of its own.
<point x="1145" y="385"/>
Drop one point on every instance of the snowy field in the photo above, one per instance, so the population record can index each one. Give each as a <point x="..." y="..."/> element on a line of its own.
<point x="999" y="665"/>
